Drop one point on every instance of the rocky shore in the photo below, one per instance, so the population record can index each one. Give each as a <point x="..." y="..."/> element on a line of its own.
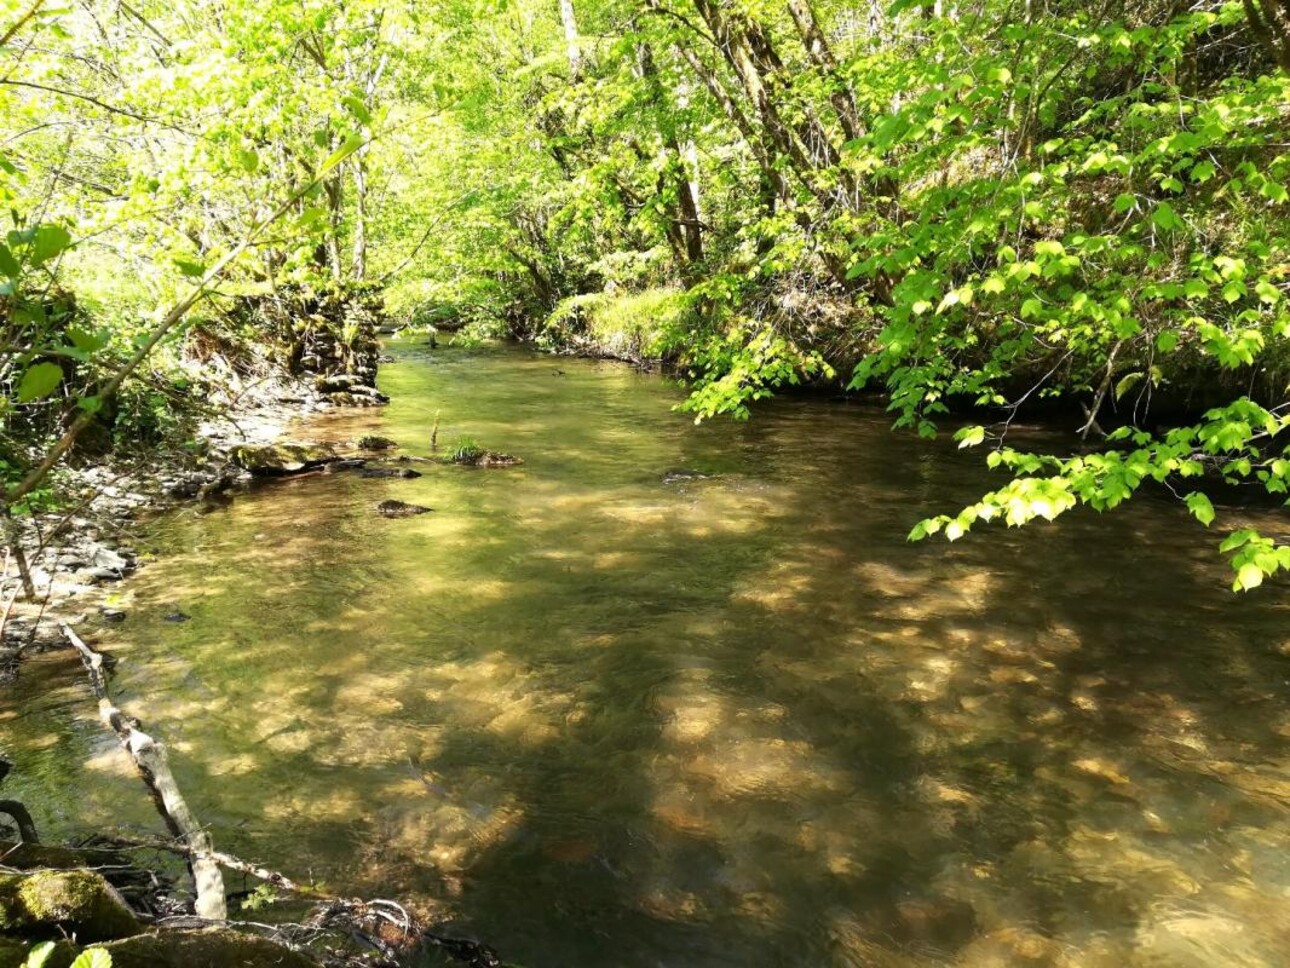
<point x="61" y="566"/>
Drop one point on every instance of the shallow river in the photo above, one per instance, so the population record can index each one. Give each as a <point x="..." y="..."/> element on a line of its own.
<point x="601" y="717"/>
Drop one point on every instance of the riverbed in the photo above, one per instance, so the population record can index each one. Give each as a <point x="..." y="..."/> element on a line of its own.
<point x="678" y="695"/>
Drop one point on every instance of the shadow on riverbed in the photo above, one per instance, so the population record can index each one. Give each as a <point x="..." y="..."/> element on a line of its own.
<point x="604" y="720"/>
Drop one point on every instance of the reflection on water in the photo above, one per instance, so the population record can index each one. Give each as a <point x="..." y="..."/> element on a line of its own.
<point x="601" y="718"/>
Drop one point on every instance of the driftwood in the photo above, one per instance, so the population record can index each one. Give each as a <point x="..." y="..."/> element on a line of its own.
<point x="150" y="757"/>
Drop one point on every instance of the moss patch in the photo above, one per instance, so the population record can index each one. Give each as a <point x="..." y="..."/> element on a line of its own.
<point x="78" y="902"/>
<point x="213" y="948"/>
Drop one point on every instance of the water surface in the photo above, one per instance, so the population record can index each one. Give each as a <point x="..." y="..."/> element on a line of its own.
<point x="602" y="717"/>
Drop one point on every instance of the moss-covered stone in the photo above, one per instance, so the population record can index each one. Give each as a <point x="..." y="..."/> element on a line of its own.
<point x="77" y="902"/>
<point x="14" y="951"/>
<point x="211" y="948"/>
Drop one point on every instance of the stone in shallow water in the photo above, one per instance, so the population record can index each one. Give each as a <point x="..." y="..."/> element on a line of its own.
<point x="279" y="459"/>
<point x="406" y="473"/>
<point x="401" y="509"/>
<point x="484" y="458"/>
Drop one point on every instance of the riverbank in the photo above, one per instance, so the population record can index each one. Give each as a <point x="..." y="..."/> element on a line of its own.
<point x="61" y="566"/>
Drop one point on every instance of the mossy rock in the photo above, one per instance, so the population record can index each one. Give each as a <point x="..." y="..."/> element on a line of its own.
<point x="14" y="952"/>
<point x="210" y="948"/>
<point x="277" y="460"/>
<point x="78" y="902"/>
<point x="375" y="442"/>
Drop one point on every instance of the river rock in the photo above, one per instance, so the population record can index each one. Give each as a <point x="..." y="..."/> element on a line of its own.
<point x="210" y="948"/>
<point x="407" y="473"/>
<point x="348" y="464"/>
<point x="400" y="509"/>
<point x="359" y="396"/>
<point x="376" y="442"/>
<point x="52" y="902"/>
<point x="484" y="458"/>
<point x="679" y="474"/>
<point x="277" y="460"/>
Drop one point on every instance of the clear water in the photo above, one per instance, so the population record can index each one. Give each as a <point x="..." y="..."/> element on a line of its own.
<point x="599" y="718"/>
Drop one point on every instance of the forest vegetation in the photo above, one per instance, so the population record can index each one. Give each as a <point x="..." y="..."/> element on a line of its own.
<point x="988" y="215"/>
<point x="995" y="207"/>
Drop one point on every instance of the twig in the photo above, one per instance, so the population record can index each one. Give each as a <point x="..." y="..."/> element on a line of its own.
<point x="1101" y="393"/>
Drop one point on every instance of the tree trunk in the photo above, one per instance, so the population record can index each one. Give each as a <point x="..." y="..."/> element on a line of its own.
<point x="817" y="46"/>
<point x="686" y="231"/>
<point x="359" y="264"/>
<point x="570" y="23"/>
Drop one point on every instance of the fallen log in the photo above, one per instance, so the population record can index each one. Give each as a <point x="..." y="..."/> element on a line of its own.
<point x="150" y="757"/>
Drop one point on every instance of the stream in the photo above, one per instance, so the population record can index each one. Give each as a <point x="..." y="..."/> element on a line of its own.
<point x="602" y="714"/>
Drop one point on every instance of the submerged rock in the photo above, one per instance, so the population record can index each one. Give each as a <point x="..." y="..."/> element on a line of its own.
<point x="375" y="442"/>
<point x="483" y="458"/>
<point x="401" y="509"/>
<point x="407" y="473"/>
<point x="678" y="474"/>
<point x="76" y="902"/>
<point x="348" y="464"/>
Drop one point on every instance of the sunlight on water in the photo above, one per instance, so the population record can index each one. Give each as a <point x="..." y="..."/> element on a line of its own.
<point x="684" y="696"/>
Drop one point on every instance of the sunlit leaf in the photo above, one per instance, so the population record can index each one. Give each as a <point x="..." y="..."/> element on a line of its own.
<point x="39" y="381"/>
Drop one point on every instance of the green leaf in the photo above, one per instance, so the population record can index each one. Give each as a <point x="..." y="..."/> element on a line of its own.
<point x="248" y="160"/>
<point x="8" y="264"/>
<point x="351" y="145"/>
<point x="1128" y="383"/>
<point x="1237" y="539"/>
<point x="1201" y="508"/>
<point x="970" y="436"/>
<point x="193" y="270"/>
<point x="1202" y="171"/>
<point x="91" y="404"/>
<point x="1248" y="576"/>
<point x="1166" y="340"/>
<point x="93" y="958"/>
<point x="38" y="955"/>
<point x="39" y="381"/>
<point x="1166" y="218"/>
<point x="49" y="241"/>
<point x="86" y="341"/>
<point x="357" y="108"/>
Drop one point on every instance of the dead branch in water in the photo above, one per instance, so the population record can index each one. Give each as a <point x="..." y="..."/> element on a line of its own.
<point x="226" y="861"/>
<point x="150" y="757"/>
<point x="383" y="926"/>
